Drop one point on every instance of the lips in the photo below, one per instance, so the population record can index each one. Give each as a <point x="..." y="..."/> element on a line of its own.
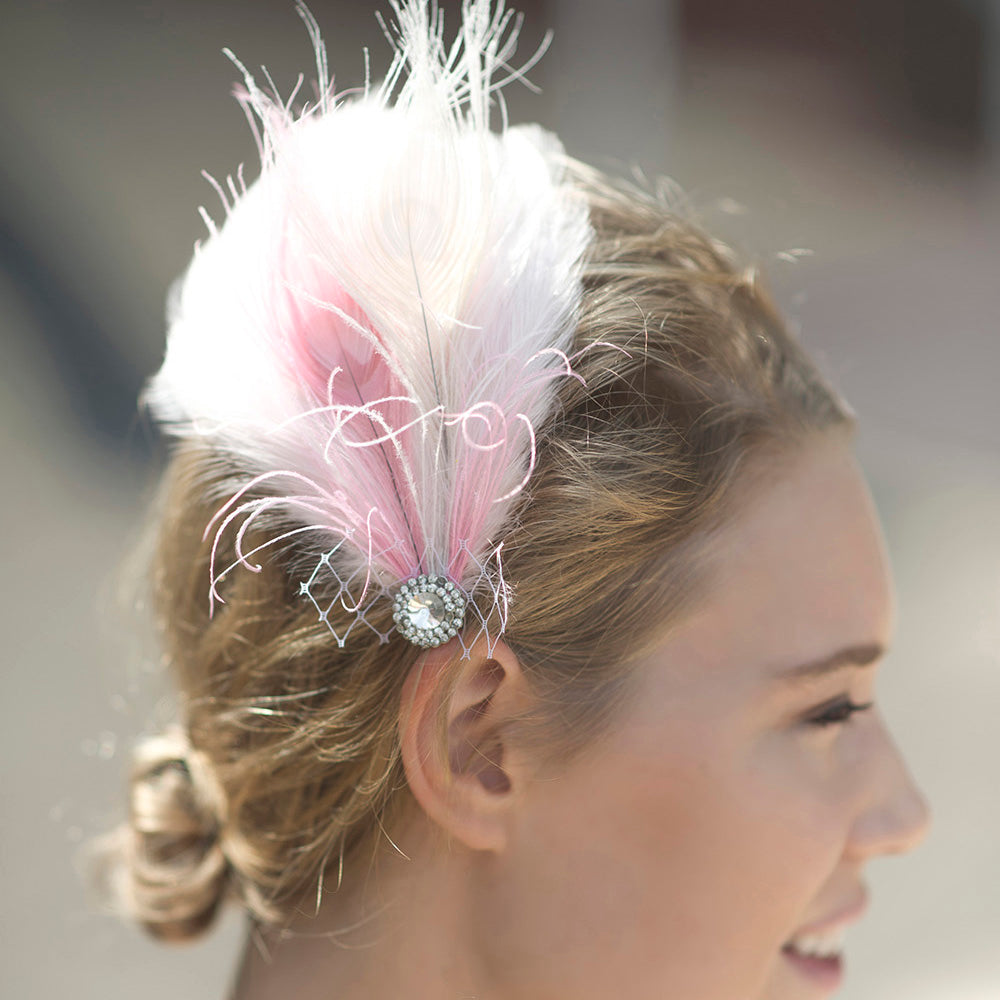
<point x="815" y="950"/>
<point x="824" y="973"/>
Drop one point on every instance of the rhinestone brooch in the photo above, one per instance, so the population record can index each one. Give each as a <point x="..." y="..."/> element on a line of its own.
<point x="428" y="610"/>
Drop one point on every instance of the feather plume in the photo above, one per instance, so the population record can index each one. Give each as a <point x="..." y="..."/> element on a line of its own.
<point x="373" y="332"/>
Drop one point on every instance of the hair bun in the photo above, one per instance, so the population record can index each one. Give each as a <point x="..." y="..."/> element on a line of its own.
<point x="166" y="864"/>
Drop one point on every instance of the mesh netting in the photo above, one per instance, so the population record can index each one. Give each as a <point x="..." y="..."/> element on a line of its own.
<point x="348" y="600"/>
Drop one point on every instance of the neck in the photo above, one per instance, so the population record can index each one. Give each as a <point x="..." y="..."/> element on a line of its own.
<point x="398" y="927"/>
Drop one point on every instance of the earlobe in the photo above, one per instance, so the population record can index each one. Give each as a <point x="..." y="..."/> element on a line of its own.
<point x="455" y="740"/>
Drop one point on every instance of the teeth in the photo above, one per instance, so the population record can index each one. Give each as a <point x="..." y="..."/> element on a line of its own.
<point x="827" y="945"/>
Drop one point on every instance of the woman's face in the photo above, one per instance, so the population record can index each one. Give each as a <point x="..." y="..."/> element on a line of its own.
<point x="734" y="806"/>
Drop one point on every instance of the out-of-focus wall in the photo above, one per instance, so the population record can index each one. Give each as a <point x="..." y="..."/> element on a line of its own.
<point x="820" y="137"/>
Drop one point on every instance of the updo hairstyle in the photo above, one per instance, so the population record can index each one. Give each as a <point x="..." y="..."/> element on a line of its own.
<point x="286" y="764"/>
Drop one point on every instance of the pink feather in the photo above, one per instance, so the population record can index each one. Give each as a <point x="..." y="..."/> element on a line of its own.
<point x="373" y="331"/>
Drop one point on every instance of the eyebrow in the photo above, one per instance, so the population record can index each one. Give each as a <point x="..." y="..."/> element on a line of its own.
<point x="851" y="656"/>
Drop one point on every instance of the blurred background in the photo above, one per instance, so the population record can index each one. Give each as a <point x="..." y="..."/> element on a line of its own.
<point x="851" y="146"/>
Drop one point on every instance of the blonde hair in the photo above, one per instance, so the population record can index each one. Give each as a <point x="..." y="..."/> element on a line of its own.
<point x="288" y="759"/>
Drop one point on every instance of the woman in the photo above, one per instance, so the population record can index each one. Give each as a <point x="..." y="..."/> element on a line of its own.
<point x="522" y="593"/>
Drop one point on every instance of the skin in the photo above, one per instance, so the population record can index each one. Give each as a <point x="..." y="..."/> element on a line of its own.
<point x="678" y="852"/>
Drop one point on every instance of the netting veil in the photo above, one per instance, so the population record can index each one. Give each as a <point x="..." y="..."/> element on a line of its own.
<point x="373" y="333"/>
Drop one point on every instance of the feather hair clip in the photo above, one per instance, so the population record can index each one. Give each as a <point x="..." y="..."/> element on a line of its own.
<point x="373" y="332"/>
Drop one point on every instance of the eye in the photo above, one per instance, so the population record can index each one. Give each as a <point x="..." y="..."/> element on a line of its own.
<point x="837" y="712"/>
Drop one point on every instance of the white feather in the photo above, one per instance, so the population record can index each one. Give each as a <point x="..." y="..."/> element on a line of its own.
<point x="395" y="242"/>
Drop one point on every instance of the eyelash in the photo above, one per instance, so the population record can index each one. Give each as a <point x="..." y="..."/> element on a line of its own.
<point x="838" y="712"/>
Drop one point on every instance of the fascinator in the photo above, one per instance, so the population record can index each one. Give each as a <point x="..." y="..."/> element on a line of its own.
<point x="372" y="333"/>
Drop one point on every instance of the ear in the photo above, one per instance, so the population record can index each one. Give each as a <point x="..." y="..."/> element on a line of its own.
<point x="456" y="740"/>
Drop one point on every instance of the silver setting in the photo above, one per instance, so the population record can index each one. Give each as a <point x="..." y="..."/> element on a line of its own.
<point x="428" y="610"/>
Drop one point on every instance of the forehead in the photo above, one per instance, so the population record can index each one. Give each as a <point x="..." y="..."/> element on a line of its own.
<point x="800" y="571"/>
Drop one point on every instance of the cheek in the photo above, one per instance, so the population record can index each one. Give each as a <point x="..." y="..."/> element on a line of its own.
<point x="748" y="841"/>
<point x="802" y="798"/>
<point x="683" y="869"/>
<point x="795" y="819"/>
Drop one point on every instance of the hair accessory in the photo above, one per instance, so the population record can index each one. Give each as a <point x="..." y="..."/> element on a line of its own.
<point x="370" y="338"/>
<point x="429" y="610"/>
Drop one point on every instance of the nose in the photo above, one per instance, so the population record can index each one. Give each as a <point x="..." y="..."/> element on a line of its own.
<point x="896" y="816"/>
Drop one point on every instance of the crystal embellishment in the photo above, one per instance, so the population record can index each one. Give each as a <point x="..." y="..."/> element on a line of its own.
<point x="428" y="610"/>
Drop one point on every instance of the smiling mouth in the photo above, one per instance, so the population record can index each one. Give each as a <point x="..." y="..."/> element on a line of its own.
<point x="818" y="957"/>
<point x="825" y="972"/>
<point x="816" y="952"/>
